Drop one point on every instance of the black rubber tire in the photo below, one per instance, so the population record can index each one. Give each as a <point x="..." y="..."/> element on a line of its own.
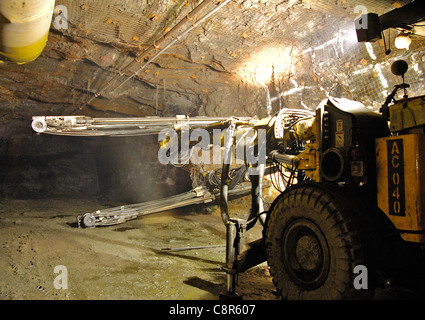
<point x="313" y="245"/>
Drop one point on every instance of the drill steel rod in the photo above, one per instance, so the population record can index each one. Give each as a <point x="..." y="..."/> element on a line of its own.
<point x="118" y="215"/>
<point x="194" y="248"/>
<point x="87" y="126"/>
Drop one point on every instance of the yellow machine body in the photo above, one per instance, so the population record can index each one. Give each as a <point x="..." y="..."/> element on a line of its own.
<point x="401" y="183"/>
<point x="407" y="113"/>
<point x="308" y="160"/>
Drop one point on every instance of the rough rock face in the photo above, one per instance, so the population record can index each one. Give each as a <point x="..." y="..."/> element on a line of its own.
<point x="122" y="169"/>
<point x="251" y="58"/>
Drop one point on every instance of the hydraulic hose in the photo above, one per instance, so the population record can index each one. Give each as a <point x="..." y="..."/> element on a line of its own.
<point x="257" y="205"/>
<point x="256" y="177"/>
<point x="225" y="178"/>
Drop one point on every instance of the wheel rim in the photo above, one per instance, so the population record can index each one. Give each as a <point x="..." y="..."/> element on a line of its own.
<point x="305" y="254"/>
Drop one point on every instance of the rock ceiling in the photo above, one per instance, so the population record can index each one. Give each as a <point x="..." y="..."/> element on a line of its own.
<point x="251" y="57"/>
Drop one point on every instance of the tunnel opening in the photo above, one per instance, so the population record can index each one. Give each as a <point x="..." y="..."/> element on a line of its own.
<point x="118" y="169"/>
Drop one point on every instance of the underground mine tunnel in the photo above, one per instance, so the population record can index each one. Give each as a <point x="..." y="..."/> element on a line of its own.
<point x="317" y="104"/>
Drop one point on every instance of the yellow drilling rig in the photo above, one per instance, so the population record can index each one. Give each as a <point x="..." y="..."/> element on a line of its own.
<point x="350" y="187"/>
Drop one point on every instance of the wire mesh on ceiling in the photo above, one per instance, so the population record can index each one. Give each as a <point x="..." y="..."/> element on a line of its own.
<point x="319" y="34"/>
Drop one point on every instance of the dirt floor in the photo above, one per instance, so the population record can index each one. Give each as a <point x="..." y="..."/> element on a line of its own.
<point x="124" y="261"/>
<point x="121" y="262"/>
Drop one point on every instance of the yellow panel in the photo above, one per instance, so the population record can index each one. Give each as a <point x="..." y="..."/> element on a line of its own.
<point x="409" y="114"/>
<point x="412" y="237"/>
<point x="401" y="182"/>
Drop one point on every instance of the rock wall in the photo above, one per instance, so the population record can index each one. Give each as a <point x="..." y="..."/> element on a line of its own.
<point x="120" y="169"/>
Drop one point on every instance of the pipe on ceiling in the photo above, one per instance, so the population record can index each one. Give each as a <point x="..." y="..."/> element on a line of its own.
<point x="24" y="28"/>
<point x="177" y="38"/>
<point x="157" y="45"/>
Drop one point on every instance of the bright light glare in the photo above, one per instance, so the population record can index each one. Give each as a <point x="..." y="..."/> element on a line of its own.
<point x="351" y="36"/>
<point x="259" y="68"/>
<point x="402" y="41"/>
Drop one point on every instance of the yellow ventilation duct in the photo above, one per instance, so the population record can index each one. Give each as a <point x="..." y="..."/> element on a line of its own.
<point x="24" y="28"/>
